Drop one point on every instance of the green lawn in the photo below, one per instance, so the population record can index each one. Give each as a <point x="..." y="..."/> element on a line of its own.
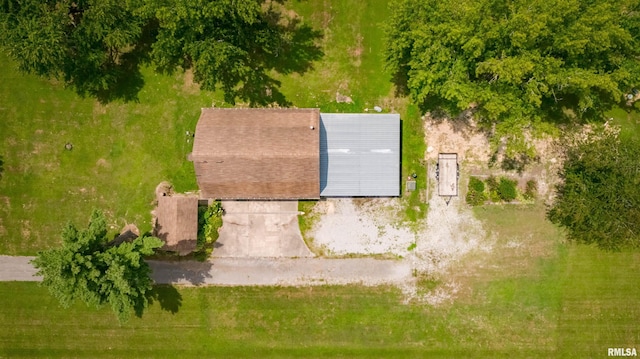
<point x="120" y="153"/>
<point x="544" y="299"/>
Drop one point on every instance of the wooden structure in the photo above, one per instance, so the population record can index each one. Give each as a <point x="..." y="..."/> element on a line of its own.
<point x="177" y="223"/>
<point x="447" y="174"/>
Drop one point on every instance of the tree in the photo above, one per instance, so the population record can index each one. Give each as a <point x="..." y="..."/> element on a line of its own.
<point x="519" y="65"/>
<point x="234" y="45"/>
<point x="598" y="201"/>
<point x="91" y="268"/>
<point x="91" y="45"/>
<point x="98" y="46"/>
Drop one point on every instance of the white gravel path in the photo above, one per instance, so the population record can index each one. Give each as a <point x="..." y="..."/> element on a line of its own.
<point x="451" y="232"/>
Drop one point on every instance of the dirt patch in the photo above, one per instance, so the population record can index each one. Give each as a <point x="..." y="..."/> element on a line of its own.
<point x="3" y="231"/>
<point x="6" y="203"/>
<point x="99" y="109"/>
<point x="356" y="51"/>
<point x="188" y="84"/>
<point x="102" y="164"/>
<point x="461" y="136"/>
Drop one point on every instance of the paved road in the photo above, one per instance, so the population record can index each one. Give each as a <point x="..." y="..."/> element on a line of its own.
<point x="251" y="271"/>
<point x="17" y="269"/>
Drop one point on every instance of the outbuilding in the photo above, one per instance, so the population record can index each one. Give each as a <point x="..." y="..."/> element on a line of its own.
<point x="276" y="154"/>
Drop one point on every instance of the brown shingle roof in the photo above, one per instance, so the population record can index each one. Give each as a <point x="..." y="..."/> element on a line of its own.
<point x="258" y="153"/>
<point x="177" y="222"/>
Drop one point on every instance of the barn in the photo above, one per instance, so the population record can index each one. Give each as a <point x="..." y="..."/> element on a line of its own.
<point x="279" y="154"/>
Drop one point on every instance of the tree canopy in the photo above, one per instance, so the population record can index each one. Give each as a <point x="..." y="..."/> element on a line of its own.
<point x="98" y="46"/>
<point x="90" y="45"/>
<point x="598" y="201"/>
<point x="234" y="45"/>
<point x="520" y="65"/>
<point x="90" y="268"/>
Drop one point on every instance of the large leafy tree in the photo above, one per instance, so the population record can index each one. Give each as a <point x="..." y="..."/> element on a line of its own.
<point x="233" y="45"/>
<point x="91" y="45"/>
<point x="97" y="46"/>
<point x="96" y="271"/>
<point x="598" y="201"/>
<point x="519" y="64"/>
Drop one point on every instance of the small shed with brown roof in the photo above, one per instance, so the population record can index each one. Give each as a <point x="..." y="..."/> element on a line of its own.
<point x="257" y="153"/>
<point x="177" y="223"/>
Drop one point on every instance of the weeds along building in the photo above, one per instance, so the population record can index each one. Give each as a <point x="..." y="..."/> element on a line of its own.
<point x="276" y="154"/>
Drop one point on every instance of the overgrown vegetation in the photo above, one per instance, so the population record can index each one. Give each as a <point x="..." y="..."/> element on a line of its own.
<point x="507" y="189"/>
<point x="499" y="190"/>
<point x="413" y="150"/>
<point x="209" y="222"/>
<point x="531" y="190"/>
<point x="307" y="219"/>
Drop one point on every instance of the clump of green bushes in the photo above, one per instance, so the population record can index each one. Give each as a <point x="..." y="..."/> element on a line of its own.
<point x="507" y="189"/>
<point x="209" y="221"/>
<point x="475" y="192"/>
<point x="497" y="190"/>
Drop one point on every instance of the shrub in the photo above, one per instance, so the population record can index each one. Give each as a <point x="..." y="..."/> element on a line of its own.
<point x="475" y="192"/>
<point x="507" y="189"/>
<point x="476" y="184"/>
<point x="476" y="198"/>
<point x="209" y="221"/>
<point x="531" y="191"/>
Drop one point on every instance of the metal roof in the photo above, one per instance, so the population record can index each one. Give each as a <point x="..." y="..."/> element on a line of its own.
<point x="359" y="155"/>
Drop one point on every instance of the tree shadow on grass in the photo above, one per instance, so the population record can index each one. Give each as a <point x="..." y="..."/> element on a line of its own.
<point x="167" y="296"/>
<point x="125" y="78"/>
<point x="295" y="52"/>
<point x="1" y="166"/>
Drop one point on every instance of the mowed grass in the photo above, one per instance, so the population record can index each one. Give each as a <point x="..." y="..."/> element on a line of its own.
<point x="349" y="321"/>
<point x="542" y="299"/>
<point x="587" y="299"/>
<point x="120" y="153"/>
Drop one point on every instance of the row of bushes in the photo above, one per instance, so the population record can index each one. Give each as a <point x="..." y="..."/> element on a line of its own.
<point x="209" y="221"/>
<point x="497" y="190"/>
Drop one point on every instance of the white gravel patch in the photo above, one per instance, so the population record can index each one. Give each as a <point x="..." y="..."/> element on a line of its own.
<point x="367" y="228"/>
<point x="451" y="232"/>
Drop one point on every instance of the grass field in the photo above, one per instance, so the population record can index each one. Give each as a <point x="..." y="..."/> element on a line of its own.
<point x="120" y="153"/>
<point x="544" y="299"/>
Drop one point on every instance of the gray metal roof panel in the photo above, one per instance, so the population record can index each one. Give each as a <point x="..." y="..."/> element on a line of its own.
<point x="359" y="155"/>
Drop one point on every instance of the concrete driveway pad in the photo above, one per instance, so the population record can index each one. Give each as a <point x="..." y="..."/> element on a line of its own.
<point x="260" y="229"/>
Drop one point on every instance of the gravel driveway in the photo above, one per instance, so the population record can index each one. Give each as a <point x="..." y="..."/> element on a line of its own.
<point x="251" y="271"/>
